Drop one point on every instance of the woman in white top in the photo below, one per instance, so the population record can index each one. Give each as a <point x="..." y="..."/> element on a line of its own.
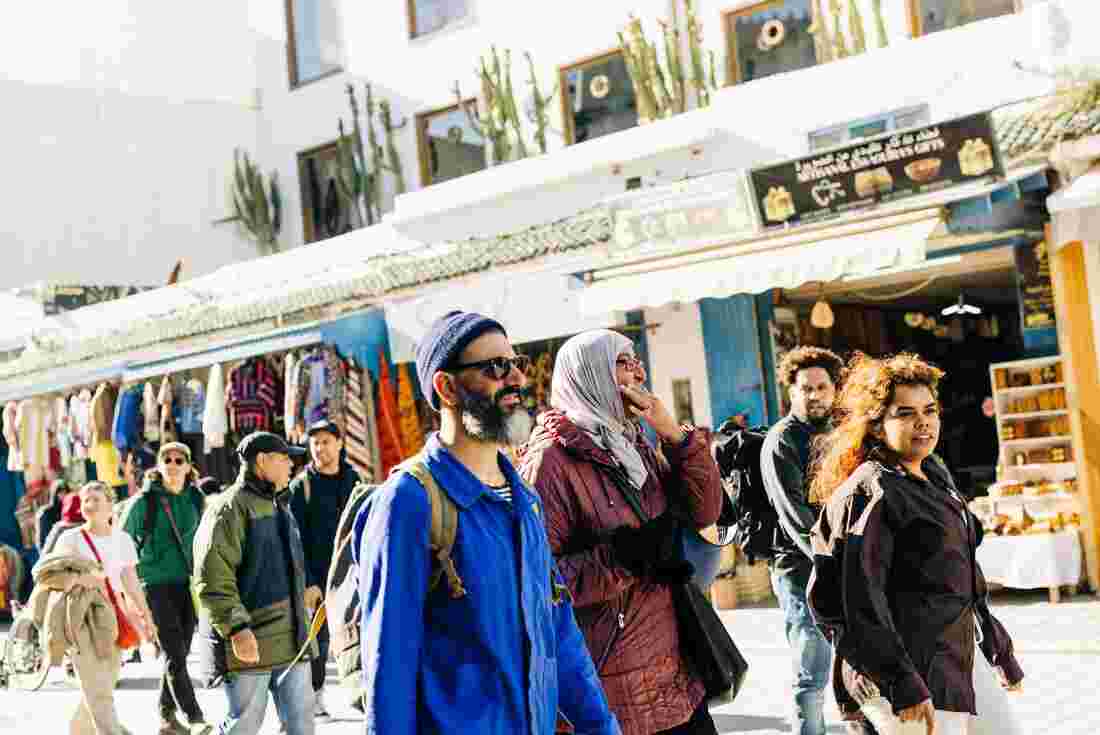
<point x="115" y="550"/>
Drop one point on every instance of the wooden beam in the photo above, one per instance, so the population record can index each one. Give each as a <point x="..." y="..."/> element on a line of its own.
<point x="1082" y="377"/>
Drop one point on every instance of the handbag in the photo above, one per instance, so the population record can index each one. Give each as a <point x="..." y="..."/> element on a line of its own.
<point x="703" y="547"/>
<point x="704" y="641"/>
<point x="127" y="634"/>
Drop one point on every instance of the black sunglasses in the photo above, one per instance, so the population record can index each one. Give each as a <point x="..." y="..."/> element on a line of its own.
<point x="175" y="460"/>
<point x="498" y="368"/>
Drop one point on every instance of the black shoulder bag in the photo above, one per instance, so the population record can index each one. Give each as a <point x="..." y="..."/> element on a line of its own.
<point x="704" y="641"/>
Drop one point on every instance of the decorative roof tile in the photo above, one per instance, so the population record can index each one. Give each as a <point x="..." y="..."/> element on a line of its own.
<point x="1027" y="132"/>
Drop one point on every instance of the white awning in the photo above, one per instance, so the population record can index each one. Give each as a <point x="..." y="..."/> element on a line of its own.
<point x="531" y="306"/>
<point x="785" y="262"/>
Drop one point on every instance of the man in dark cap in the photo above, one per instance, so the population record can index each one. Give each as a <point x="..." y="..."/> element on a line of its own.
<point x="250" y="580"/>
<point x="317" y="499"/>
<point x="495" y="648"/>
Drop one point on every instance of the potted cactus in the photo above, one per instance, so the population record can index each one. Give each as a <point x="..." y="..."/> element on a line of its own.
<point x="257" y="202"/>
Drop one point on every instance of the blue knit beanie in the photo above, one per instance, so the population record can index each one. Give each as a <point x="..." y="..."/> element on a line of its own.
<point x="444" y="341"/>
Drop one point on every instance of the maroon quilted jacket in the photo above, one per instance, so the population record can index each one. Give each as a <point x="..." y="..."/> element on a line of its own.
<point x="628" y="623"/>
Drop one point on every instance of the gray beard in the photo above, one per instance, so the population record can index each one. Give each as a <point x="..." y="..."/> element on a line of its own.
<point x="485" y="421"/>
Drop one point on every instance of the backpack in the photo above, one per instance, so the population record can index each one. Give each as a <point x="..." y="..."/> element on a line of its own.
<point x="342" y="603"/>
<point x="151" y="508"/>
<point x="737" y="452"/>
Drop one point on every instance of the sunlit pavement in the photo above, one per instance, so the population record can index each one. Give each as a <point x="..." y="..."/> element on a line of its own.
<point x="1058" y="645"/>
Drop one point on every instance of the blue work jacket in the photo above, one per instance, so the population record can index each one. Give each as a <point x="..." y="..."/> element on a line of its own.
<point x="503" y="659"/>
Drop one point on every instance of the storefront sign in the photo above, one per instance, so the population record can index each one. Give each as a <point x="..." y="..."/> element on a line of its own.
<point x="713" y="208"/>
<point x="888" y="168"/>
<point x="1036" y="289"/>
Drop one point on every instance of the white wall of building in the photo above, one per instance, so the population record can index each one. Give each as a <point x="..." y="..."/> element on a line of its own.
<point x="121" y="117"/>
<point x="954" y="72"/>
<point x="676" y="352"/>
<point x="119" y="123"/>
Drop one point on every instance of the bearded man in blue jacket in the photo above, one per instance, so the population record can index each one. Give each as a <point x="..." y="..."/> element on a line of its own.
<point x="506" y="657"/>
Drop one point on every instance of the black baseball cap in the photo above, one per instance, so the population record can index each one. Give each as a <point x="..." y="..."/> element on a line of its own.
<point x="324" y="425"/>
<point x="264" y="442"/>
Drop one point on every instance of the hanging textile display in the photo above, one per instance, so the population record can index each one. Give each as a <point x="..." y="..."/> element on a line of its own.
<point x="103" y="412"/>
<point x="291" y="420"/>
<point x="388" y="430"/>
<point x="373" y="439"/>
<point x="11" y="437"/>
<point x="150" y="411"/>
<point x="356" y="441"/>
<point x="255" y="395"/>
<point x="33" y="418"/>
<point x="408" y="420"/>
<point x="319" y="380"/>
<point x="215" y="420"/>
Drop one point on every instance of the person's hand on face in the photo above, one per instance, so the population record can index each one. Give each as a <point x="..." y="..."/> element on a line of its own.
<point x="640" y="404"/>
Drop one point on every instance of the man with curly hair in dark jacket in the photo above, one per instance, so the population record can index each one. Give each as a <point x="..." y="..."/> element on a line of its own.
<point x="812" y="377"/>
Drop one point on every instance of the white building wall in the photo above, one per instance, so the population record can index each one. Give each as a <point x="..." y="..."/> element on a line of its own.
<point x="954" y="72"/>
<point x="676" y="352"/>
<point x="119" y="122"/>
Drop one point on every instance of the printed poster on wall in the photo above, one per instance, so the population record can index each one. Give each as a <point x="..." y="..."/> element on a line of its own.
<point x="1036" y="289"/>
<point x="884" y="169"/>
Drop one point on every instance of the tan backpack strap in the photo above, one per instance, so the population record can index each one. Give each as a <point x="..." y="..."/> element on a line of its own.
<point x="444" y="529"/>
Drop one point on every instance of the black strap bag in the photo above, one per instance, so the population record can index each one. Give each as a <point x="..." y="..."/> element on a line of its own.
<point x="704" y="641"/>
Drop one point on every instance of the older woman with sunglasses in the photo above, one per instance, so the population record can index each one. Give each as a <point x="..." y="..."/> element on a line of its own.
<point x="584" y="457"/>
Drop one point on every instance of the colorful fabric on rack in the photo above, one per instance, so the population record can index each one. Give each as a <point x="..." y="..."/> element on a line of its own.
<point x="33" y="419"/>
<point x="215" y="419"/>
<point x="408" y="420"/>
<point x="336" y="382"/>
<point x="126" y="433"/>
<point x="190" y="405"/>
<point x="389" y="434"/>
<point x="290" y="392"/>
<point x="108" y="463"/>
<point x="255" y="392"/>
<point x="11" y="436"/>
<point x="165" y="399"/>
<point x="80" y="419"/>
<point x="355" y="438"/>
<point x="150" y="411"/>
<point x="312" y="406"/>
<point x="103" y="412"/>
<point x="371" y="416"/>
<point x="63" y="431"/>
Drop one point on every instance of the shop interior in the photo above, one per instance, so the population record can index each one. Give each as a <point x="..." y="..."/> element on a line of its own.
<point x="918" y="310"/>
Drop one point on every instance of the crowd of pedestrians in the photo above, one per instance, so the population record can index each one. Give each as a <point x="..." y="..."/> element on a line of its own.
<point x="517" y="574"/>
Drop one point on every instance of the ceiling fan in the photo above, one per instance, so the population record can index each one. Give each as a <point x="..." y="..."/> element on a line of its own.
<point x="961" y="309"/>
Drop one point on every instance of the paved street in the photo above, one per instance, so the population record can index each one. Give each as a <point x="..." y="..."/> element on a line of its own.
<point x="1059" y="646"/>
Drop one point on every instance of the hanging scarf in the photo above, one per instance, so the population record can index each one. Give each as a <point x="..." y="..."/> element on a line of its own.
<point x="585" y="390"/>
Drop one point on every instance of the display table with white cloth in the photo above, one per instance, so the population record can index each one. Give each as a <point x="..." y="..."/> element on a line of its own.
<point x="1051" y="560"/>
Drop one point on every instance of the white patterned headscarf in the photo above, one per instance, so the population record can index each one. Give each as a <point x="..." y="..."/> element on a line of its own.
<point x="585" y="390"/>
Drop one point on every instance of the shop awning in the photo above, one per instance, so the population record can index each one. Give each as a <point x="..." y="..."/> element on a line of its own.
<point x="265" y="344"/>
<point x="824" y="254"/>
<point x="531" y="306"/>
<point x="59" y="380"/>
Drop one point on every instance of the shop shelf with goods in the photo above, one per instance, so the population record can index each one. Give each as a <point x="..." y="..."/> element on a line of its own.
<point x="1032" y="515"/>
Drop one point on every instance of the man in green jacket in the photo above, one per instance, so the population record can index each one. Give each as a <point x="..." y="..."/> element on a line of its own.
<point x="250" y="581"/>
<point x="162" y="520"/>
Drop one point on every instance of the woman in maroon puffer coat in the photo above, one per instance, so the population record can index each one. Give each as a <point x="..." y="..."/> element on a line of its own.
<point x="618" y="569"/>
